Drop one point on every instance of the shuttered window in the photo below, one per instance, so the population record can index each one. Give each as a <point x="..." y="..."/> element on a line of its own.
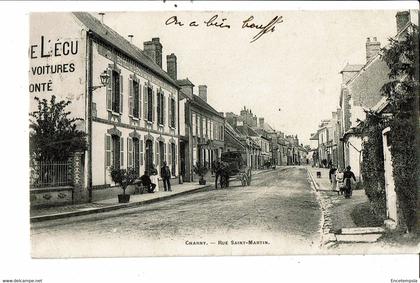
<point x="116" y="95"/>
<point x="136" y="99"/>
<point x="173" y="109"/>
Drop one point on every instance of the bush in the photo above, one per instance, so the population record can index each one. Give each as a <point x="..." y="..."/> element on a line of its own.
<point x="123" y="177"/>
<point x="200" y="170"/>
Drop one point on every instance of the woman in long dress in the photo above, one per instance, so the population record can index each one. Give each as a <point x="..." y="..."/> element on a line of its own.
<point x="154" y="177"/>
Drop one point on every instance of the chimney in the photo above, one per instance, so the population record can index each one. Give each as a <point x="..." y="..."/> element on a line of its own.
<point x="402" y="17"/>
<point x="131" y="38"/>
<point x="202" y="92"/>
<point x="261" y="121"/>
<point x="153" y="49"/>
<point x="171" y="66"/>
<point x="372" y="48"/>
<point x="102" y="17"/>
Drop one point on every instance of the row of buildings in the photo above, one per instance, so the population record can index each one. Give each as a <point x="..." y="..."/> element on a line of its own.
<point x="144" y="115"/>
<point x="334" y="142"/>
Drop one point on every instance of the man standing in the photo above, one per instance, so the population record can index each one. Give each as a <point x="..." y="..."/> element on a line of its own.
<point x="165" y="173"/>
<point x="348" y="175"/>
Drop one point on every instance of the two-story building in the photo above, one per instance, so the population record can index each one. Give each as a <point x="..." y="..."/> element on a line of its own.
<point x="132" y="121"/>
<point x="203" y="138"/>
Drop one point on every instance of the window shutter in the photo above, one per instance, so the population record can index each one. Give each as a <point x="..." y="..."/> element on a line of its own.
<point x="158" y="110"/>
<point x="164" y="109"/>
<point x="109" y="91"/>
<point x="140" y="100"/>
<point x="130" y="97"/>
<point x="141" y="152"/>
<point x="145" y="102"/>
<point x="169" y="112"/>
<point x="157" y="154"/>
<point x="130" y="160"/>
<point x="153" y="106"/>
<point x="121" y="94"/>
<point x="122" y="152"/>
<point x="175" y="112"/>
<point x="108" y="150"/>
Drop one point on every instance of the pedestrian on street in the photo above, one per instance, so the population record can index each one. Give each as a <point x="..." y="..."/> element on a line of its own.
<point x="165" y="174"/>
<point x="340" y="181"/>
<point x="348" y="176"/>
<point x="154" y="177"/>
<point x="217" y="172"/>
<point x="332" y="176"/>
<point x="147" y="182"/>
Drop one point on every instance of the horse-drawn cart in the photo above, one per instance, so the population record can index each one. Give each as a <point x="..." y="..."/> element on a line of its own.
<point x="234" y="167"/>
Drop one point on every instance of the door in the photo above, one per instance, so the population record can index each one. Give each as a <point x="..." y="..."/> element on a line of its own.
<point x="149" y="155"/>
<point x="391" y="196"/>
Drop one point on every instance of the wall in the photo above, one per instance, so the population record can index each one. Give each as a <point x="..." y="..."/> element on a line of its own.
<point x="63" y="50"/>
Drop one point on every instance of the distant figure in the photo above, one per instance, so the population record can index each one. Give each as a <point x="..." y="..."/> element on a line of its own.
<point x="332" y="176"/>
<point x="217" y="172"/>
<point x="348" y="175"/>
<point x="147" y="183"/>
<point x="213" y="167"/>
<point x="165" y="174"/>
<point x="330" y="164"/>
<point x="154" y="177"/>
<point x="340" y="181"/>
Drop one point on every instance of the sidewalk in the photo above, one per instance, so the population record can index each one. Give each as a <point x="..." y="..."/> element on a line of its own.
<point x="108" y="204"/>
<point x="339" y="212"/>
<point x="49" y="213"/>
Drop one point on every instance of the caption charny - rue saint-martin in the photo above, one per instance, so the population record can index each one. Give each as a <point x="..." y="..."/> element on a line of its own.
<point x="224" y="242"/>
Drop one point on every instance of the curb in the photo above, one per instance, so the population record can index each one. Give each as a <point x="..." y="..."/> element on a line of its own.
<point x="112" y="207"/>
<point x="328" y="239"/>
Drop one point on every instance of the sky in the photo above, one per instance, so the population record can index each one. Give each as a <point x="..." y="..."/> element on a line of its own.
<point x="289" y="76"/>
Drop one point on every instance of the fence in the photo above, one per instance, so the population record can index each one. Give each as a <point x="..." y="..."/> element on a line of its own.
<point x="51" y="174"/>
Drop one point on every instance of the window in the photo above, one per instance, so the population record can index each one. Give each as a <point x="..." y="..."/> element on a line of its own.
<point x="136" y="155"/>
<point x="136" y="99"/>
<point x="149" y="104"/>
<point x="115" y="91"/>
<point x="172" y="112"/>
<point x="116" y="149"/>
<point x="162" y="153"/>
<point x="160" y="107"/>
<point x="200" y="130"/>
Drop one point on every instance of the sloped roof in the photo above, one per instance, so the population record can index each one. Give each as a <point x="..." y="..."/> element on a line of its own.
<point x="201" y="103"/>
<point x="185" y="82"/>
<point x="352" y="68"/>
<point x="112" y="37"/>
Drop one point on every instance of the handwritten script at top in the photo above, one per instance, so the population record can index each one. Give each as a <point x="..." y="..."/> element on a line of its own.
<point x="222" y="23"/>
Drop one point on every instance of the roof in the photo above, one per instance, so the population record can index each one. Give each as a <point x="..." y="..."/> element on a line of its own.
<point x="201" y="103"/>
<point x="185" y="82"/>
<point x="381" y="105"/>
<point x="112" y="37"/>
<point x="315" y="136"/>
<point x="352" y="68"/>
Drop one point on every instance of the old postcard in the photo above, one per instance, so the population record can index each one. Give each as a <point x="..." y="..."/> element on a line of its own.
<point x="203" y="133"/>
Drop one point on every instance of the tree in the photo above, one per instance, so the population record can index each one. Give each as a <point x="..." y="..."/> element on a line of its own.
<point x="402" y="94"/>
<point x="53" y="134"/>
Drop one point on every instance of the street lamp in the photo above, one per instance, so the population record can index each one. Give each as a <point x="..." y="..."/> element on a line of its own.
<point x="104" y="80"/>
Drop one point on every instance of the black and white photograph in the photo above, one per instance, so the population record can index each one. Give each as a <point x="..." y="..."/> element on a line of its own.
<point x="216" y="136"/>
<point x="223" y="133"/>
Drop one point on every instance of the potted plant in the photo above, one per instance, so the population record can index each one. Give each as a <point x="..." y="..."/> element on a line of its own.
<point x="200" y="170"/>
<point x="124" y="178"/>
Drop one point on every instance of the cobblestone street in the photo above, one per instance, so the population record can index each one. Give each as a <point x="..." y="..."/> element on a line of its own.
<point x="279" y="208"/>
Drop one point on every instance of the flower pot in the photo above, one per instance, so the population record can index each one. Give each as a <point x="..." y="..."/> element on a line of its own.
<point x="202" y="182"/>
<point x="123" y="198"/>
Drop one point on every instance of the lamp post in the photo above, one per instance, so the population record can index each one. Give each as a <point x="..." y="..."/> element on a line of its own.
<point x="104" y="77"/>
